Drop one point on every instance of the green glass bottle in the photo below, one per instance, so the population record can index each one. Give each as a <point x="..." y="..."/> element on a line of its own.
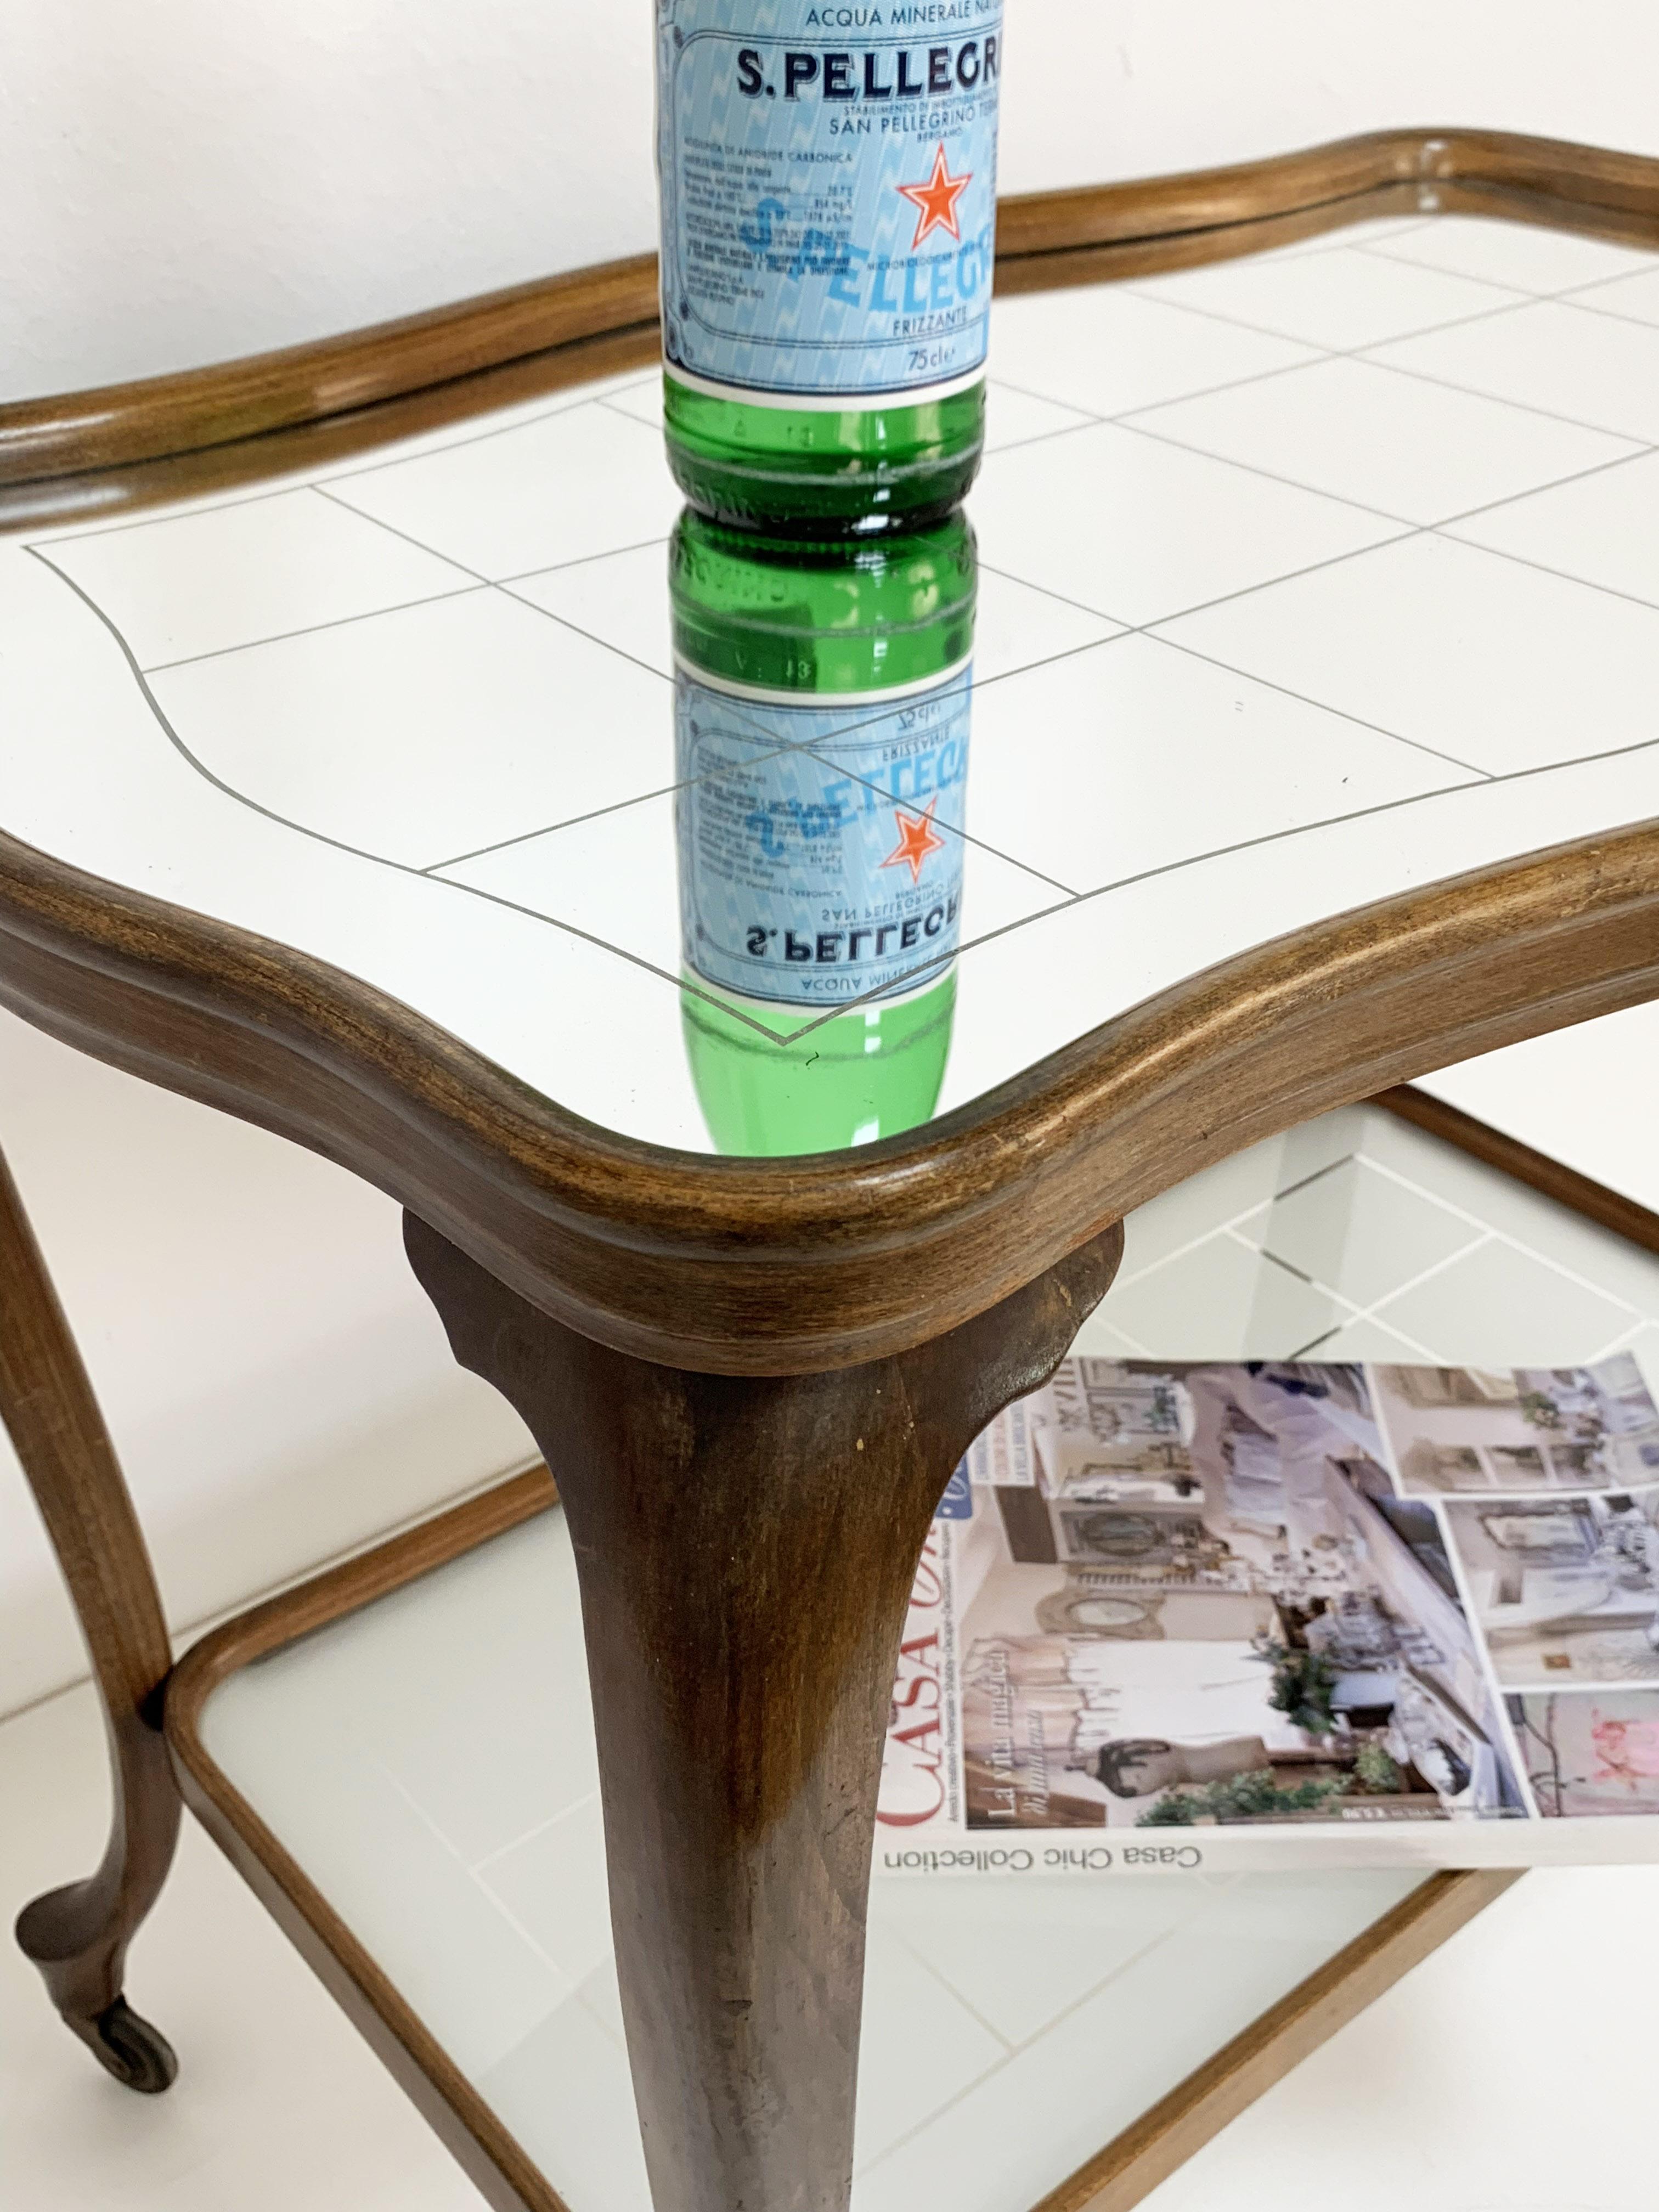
<point x="822" y="694"/>
<point x="829" y="219"/>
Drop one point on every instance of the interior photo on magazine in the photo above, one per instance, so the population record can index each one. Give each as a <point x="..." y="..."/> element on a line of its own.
<point x="1175" y="1614"/>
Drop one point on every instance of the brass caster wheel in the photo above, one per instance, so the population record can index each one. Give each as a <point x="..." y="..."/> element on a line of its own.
<point x="137" y="2055"/>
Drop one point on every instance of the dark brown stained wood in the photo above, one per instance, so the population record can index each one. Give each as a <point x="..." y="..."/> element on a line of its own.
<point x="505" y="2176"/>
<point x="83" y="455"/>
<point x="1580" y="1193"/>
<point x="1029" y="1526"/>
<point x="1076" y="257"/>
<point x="272" y="391"/>
<point x="88" y="496"/>
<point x="624" y="1240"/>
<point x="1350" y="179"/>
<point x="1114" y="260"/>
<point x="746" y="1548"/>
<point x="470" y="2130"/>
<point x="1127" y="2168"/>
<point x="1117" y="2176"/>
<point x="786" y="1269"/>
<point x="1166" y="2136"/>
<point x="78" y="1936"/>
<point x="781" y="1267"/>
<point x="1159" y="2142"/>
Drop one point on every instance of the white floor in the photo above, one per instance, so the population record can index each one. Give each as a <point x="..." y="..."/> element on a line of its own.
<point x="1007" y="2033"/>
<point x="431" y="1764"/>
<point x="1509" y="2074"/>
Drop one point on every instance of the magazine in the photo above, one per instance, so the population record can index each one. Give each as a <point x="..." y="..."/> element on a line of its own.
<point x="1181" y="1614"/>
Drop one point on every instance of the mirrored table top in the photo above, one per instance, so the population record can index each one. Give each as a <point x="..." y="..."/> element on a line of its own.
<point x="1303" y="580"/>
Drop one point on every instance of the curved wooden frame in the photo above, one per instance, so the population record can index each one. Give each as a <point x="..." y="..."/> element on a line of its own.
<point x="78" y="1936"/>
<point x="1119" y="2174"/>
<point x="1116" y="2178"/>
<point x="799" y="1268"/>
<point x="86" y="453"/>
<point x="786" y="1267"/>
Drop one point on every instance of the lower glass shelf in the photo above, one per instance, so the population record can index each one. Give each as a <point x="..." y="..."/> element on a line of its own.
<point x="428" y="1761"/>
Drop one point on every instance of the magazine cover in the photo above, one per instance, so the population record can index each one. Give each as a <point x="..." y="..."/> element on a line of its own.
<point x="1185" y="1614"/>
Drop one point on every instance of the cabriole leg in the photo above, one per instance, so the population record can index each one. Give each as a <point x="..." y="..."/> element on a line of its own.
<point x="746" y="1548"/>
<point x="78" y="1936"/>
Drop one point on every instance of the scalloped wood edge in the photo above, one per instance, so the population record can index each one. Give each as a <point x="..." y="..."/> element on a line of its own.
<point x="86" y="453"/>
<point x="793" y="1265"/>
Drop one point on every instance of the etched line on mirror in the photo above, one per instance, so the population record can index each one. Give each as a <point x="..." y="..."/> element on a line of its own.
<point x="1639" y="450"/>
<point x="1550" y="414"/>
<point x="581" y="561"/>
<point x="1387" y="251"/>
<point x="580" y="396"/>
<point x="1283" y="836"/>
<point x="1143" y="288"/>
<point x="912" y="977"/>
<point x="340" y="844"/>
<point x="346" y="507"/>
<point x="210" y="504"/>
<point x="1563" y="575"/>
<point x="847" y="730"/>
<point x="311" y="630"/>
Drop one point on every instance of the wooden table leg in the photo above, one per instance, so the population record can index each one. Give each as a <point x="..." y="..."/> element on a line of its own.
<point x="746" y="1548"/>
<point x="78" y="1936"/>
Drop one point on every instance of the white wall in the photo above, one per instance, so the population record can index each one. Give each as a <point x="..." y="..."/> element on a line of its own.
<point x="278" y="1387"/>
<point x="187" y="180"/>
<point x="184" y="181"/>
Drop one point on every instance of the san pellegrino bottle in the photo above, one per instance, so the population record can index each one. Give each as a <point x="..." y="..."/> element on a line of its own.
<point x="822" y="694"/>
<point x="827" y="178"/>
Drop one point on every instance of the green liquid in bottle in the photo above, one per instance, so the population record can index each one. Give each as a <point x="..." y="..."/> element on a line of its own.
<point x="823" y="709"/>
<point x="828" y="257"/>
<point x="858" y="1076"/>
<point x="865" y="471"/>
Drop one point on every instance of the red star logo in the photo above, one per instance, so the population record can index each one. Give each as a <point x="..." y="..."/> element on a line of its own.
<point x="916" y="839"/>
<point x="937" y="200"/>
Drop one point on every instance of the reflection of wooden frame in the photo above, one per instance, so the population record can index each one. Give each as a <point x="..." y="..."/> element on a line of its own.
<point x="172" y="436"/>
<point x="1118" y="2177"/>
<point x="701" y="1273"/>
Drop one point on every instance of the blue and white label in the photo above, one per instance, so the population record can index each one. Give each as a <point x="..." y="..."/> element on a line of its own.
<point x="820" y="843"/>
<point x="828" y="194"/>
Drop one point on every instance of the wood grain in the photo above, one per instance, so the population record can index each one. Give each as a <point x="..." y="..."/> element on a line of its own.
<point x="505" y="2176"/>
<point x="1168" y="2134"/>
<point x="1119" y="2176"/>
<point x="341" y="376"/>
<point x="746" y="1548"/>
<point x="619" y="1253"/>
<point x="78" y="1936"/>
<point x="786" y="1267"/>
<point x="84" y="455"/>
<point x="1130" y="2166"/>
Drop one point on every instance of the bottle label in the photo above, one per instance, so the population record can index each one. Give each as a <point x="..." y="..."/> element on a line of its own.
<point x="828" y="194"/>
<point x="820" y="841"/>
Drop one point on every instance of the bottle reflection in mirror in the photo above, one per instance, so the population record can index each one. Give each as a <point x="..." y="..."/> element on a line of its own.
<point x="823" y="699"/>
